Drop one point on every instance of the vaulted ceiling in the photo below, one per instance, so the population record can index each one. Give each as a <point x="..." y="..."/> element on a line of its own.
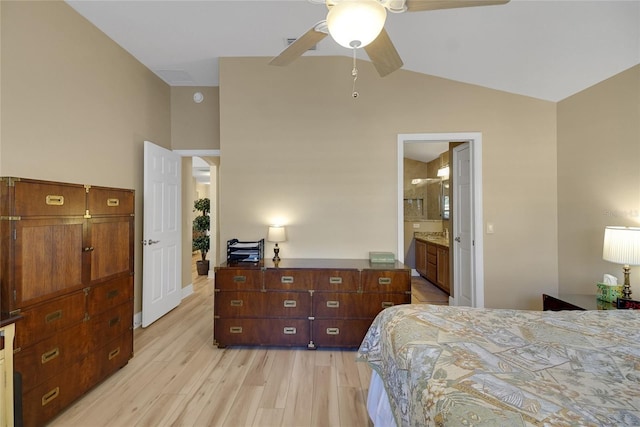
<point x="543" y="49"/>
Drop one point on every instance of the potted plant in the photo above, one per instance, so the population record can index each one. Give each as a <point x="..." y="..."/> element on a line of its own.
<point x="200" y="237"/>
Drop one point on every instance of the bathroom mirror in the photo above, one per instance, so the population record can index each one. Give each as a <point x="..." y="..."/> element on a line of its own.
<point x="444" y="199"/>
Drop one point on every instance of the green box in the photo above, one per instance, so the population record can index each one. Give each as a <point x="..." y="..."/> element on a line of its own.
<point x="609" y="293"/>
<point x="382" y="257"/>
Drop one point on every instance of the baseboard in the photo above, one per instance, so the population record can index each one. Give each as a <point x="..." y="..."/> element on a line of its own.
<point x="137" y="317"/>
<point x="187" y="290"/>
<point x="137" y="320"/>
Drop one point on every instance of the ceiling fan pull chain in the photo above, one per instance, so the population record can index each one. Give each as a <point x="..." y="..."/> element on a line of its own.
<point x="354" y="73"/>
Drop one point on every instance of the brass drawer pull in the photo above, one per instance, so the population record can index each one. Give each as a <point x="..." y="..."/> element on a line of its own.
<point x="50" y="355"/>
<point x="235" y="329"/>
<point x="53" y="200"/>
<point x="113" y="202"/>
<point x="333" y="304"/>
<point x="113" y="353"/>
<point x="290" y="303"/>
<point x="239" y="279"/>
<point x="333" y="331"/>
<point x="236" y="303"/>
<point x="52" y="317"/>
<point x="386" y="304"/>
<point x="335" y="280"/>
<point x="112" y="294"/>
<point x="286" y="279"/>
<point x="114" y="321"/>
<point x="290" y="330"/>
<point x="384" y="280"/>
<point x="48" y="397"/>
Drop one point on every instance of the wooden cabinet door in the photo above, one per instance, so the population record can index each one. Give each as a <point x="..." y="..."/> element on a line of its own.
<point x="443" y="269"/>
<point x="421" y="257"/>
<point x="432" y="262"/>
<point x="35" y="262"/>
<point x="110" y="245"/>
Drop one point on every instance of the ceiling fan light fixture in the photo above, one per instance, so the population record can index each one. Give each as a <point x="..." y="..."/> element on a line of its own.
<point x="356" y="23"/>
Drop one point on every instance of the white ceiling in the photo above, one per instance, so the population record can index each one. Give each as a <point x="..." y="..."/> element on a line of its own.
<point x="543" y="49"/>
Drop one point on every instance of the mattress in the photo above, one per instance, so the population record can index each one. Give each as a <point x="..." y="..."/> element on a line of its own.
<point x="450" y="366"/>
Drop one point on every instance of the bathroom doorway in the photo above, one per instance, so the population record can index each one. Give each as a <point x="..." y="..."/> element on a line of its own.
<point x="476" y="272"/>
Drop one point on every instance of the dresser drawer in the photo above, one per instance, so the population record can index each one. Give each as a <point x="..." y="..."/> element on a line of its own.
<point x="111" y="324"/>
<point x="335" y="305"/>
<point x="41" y="198"/>
<point x="339" y="332"/>
<point x="374" y="303"/>
<point x="229" y="279"/>
<point x="43" y="320"/>
<point x="240" y="304"/>
<point x="110" y="201"/>
<point x="386" y="280"/>
<point x="336" y="280"/>
<point x="110" y="294"/>
<point x="48" y="357"/>
<point x="288" y="304"/>
<point x="47" y="399"/>
<point x="300" y="280"/>
<point x="282" y="332"/>
<point x="112" y="356"/>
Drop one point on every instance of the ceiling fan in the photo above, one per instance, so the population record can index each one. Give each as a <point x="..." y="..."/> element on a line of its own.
<point x="360" y="24"/>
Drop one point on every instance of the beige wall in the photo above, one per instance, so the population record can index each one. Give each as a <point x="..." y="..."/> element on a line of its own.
<point x="75" y="106"/>
<point x="195" y="126"/>
<point x="598" y="177"/>
<point x="297" y="148"/>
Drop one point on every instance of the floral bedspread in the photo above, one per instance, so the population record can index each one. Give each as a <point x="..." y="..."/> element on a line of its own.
<point x="462" y="366"/>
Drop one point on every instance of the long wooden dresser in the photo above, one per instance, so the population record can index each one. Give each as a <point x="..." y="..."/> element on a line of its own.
<point x="66" y="266"/>
<point x="304" y="302"/>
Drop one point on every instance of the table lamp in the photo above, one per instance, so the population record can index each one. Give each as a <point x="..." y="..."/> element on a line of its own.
<point x="622" y="246"/>
<point x="276" y="234"/>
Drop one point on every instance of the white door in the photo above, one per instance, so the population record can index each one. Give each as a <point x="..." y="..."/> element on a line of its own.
<point x="462" y="227"/>
<point x="162" y="268"/>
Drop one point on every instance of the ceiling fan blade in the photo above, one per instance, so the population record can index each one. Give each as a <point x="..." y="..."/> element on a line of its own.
<point x="383" y="54"/>
<point x="301" y="45"/>
<point x="420" y="5"/>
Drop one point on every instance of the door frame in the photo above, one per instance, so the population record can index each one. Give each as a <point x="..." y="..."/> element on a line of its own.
<point x="475" y="145"/>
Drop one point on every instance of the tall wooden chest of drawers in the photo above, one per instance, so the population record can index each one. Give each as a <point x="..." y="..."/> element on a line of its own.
<point x="66" y="266"/>
<point x="304" y="302"/>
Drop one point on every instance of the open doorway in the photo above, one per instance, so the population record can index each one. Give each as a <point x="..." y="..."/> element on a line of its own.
<point x="476" y="270"/>
<point x="199" y="180"/>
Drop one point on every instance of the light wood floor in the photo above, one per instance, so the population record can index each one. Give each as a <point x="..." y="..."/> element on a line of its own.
<point x="178" y="378"/>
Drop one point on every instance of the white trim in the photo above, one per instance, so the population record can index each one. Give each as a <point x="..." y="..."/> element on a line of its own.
<point x="198" y="153"/>
<point x="137" y="320"/>
<point x="137" y="317"/>
<point x="475" y="139"/>
<point x="187" y="290"/>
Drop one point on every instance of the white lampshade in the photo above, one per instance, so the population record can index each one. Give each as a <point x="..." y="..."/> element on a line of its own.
<point x="356" y="23"/>
<point x="276" y="234"/>
<point x="622" y="245"/>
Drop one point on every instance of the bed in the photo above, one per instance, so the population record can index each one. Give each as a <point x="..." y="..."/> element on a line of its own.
<point x="461" y="366"/>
